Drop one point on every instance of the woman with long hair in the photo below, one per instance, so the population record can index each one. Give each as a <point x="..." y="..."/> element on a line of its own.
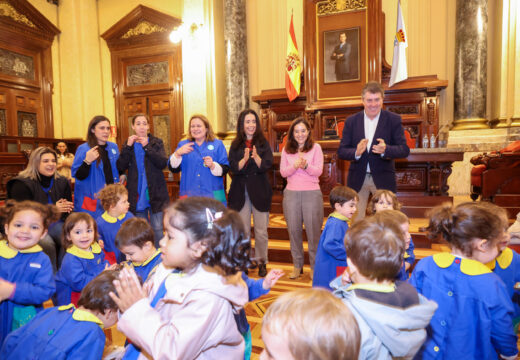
<point x="94" y="166"/>
<point x="65" y="159"/>
<point x="302" y="165"/>
<point x="250" y="157"/>
<point x="203" y="161"/>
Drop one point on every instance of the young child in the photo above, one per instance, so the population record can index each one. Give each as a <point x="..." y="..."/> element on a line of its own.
<point x="114" y="199"/>
<point x="26" y="278"/>
<point x="66" y="332"/>
<point x="409" y="256"/>
<point x="83" y="261"/>
<point x="190" y="315"/>
<point x="331" y="253"/>
<point x="391" y="315"/>
<point x="256" y="288"/>
<point x="474" y="318"/>
<point x="387" y="200"/>
<point x="135" y="240"/>
<point x="309" y="324"/>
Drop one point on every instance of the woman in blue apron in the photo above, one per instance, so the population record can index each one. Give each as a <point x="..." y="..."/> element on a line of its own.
<point x="94" y="166"/>
<point x="203" y="161"/>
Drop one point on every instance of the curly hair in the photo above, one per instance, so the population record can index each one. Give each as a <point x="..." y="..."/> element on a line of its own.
<point x="49" y="213"/>
<point x="111" y="194"/>
<point x="227" y="246"/>
<point x="379" y="195"/>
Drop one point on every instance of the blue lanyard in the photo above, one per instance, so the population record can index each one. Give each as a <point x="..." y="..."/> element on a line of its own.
<point x="47" y="191"/>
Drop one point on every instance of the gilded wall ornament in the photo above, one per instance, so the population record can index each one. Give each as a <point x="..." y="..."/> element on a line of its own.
<point x="143" y="28"/>
<point x="338" y="6"/>
<point x="7" y="10"/>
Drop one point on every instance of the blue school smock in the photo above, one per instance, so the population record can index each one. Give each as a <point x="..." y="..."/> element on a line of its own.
<point x="145" y="268"/>
<point x="85" y="190"/>
<point x="196" y="179"/>
<point x="78" y="268"/>
<point x="108" y="226"/>
<point x="31" y="270"/>
<point x="507" y="267"/>
<point x="474" y="318"/>
<point x="409" y="257"/>
<point x="57" y="333"/>
<point x="331" y="251"/>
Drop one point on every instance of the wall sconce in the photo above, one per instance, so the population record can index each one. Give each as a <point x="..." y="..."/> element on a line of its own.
<point x="183" y="31"/>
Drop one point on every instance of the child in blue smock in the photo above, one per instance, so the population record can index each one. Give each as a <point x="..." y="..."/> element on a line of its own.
<point x="135" y="239"/>
<point x="26" y="278"/>
<point x="83" y="260"/>
<point x="387" y="200"/>
<point x="507" y="266"/>
<point x="331" y="255"/>
<point x="256" y="288"/>
<point x="114" y="199"/>
<point x="67" y="332"/>
<point x="203" y="161"/>
<point x="474" y="318"/>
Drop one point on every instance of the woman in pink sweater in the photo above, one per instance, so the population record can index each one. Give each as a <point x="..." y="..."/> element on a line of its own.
<point x="302" y="165"/>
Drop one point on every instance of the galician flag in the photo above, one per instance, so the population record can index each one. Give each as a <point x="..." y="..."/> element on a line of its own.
<point x="293" y="67"/>
<point x="399" y="71"/>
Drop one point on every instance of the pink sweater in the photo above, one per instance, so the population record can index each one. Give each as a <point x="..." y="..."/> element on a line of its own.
<point x="300" y="179"/>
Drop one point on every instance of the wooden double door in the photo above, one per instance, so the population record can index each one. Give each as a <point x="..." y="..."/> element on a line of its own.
<point x="161" y="113"/>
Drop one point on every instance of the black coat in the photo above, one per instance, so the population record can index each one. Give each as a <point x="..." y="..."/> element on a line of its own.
<point x="388" y="128"/>
<point x="23" y="188"/>
<point x="155" y="161"/>
<point x="255" y="178"/>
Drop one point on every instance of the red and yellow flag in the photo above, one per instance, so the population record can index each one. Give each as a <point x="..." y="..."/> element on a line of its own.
<point x="293" y="68"/>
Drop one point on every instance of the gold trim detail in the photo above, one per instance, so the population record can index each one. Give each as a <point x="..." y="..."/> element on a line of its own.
<point x="338" y="6"/>
<point x="7" y="10"/>
<point x="470" y="124"/>
<point x="143" y="28"/>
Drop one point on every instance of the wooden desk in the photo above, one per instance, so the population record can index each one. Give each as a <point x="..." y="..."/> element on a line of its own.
<point x="421" y="178"/>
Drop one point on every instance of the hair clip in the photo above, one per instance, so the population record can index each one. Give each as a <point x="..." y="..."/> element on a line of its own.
<point x="211" y="218"/>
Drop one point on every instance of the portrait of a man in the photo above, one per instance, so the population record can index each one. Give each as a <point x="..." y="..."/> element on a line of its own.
<point x="341" y="55"/>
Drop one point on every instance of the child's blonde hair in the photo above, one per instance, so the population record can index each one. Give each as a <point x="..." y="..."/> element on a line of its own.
<point x="314" y="324"/>
<point x="71" y="221"/>
<point x="111" y="194"/>
<point x="378" y="195"/>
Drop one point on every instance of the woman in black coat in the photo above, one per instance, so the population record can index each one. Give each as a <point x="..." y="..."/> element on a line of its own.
<point x="144" y="157"/>
<point x="40" y="182"/>
<point x="250" y="157"/>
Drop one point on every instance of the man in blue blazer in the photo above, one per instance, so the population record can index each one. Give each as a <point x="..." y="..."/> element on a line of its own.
<point x="371" y="140"/>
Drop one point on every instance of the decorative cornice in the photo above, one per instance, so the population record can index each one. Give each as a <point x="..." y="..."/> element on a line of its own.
<point x="7" y="10"/>
<point x="143" y="28"/>
<point x="329" y="7"/>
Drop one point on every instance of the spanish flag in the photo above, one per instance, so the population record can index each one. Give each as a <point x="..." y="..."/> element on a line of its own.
<point x="399" y="71"/>
<point x="293" y="67"/>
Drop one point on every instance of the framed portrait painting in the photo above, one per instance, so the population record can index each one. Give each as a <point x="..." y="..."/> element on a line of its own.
<point x="341" y="55"/>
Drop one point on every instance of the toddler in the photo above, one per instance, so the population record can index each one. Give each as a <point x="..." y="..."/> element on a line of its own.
<point x="83" y="260"/>
<point x="474" y="318"/>
<point x="135" y="240"/>
<point x="26" y="278"/>
<point x="331" y="256"/>
<point x="66" y="332"/>
<point x="309" y="324"/>
<point x="114" y="199"/>
<point x="191" y="314"/>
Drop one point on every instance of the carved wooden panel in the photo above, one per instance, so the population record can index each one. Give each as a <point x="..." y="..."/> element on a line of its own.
<point x="27" y="124"/>
<point x="411" y="179"/>
<point x="147" y="73"/>
<point x="3" y="123"/>
<point x="26" y="37"/>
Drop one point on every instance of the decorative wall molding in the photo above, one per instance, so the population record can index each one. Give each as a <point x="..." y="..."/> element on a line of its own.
<point x="143" y="28"/>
